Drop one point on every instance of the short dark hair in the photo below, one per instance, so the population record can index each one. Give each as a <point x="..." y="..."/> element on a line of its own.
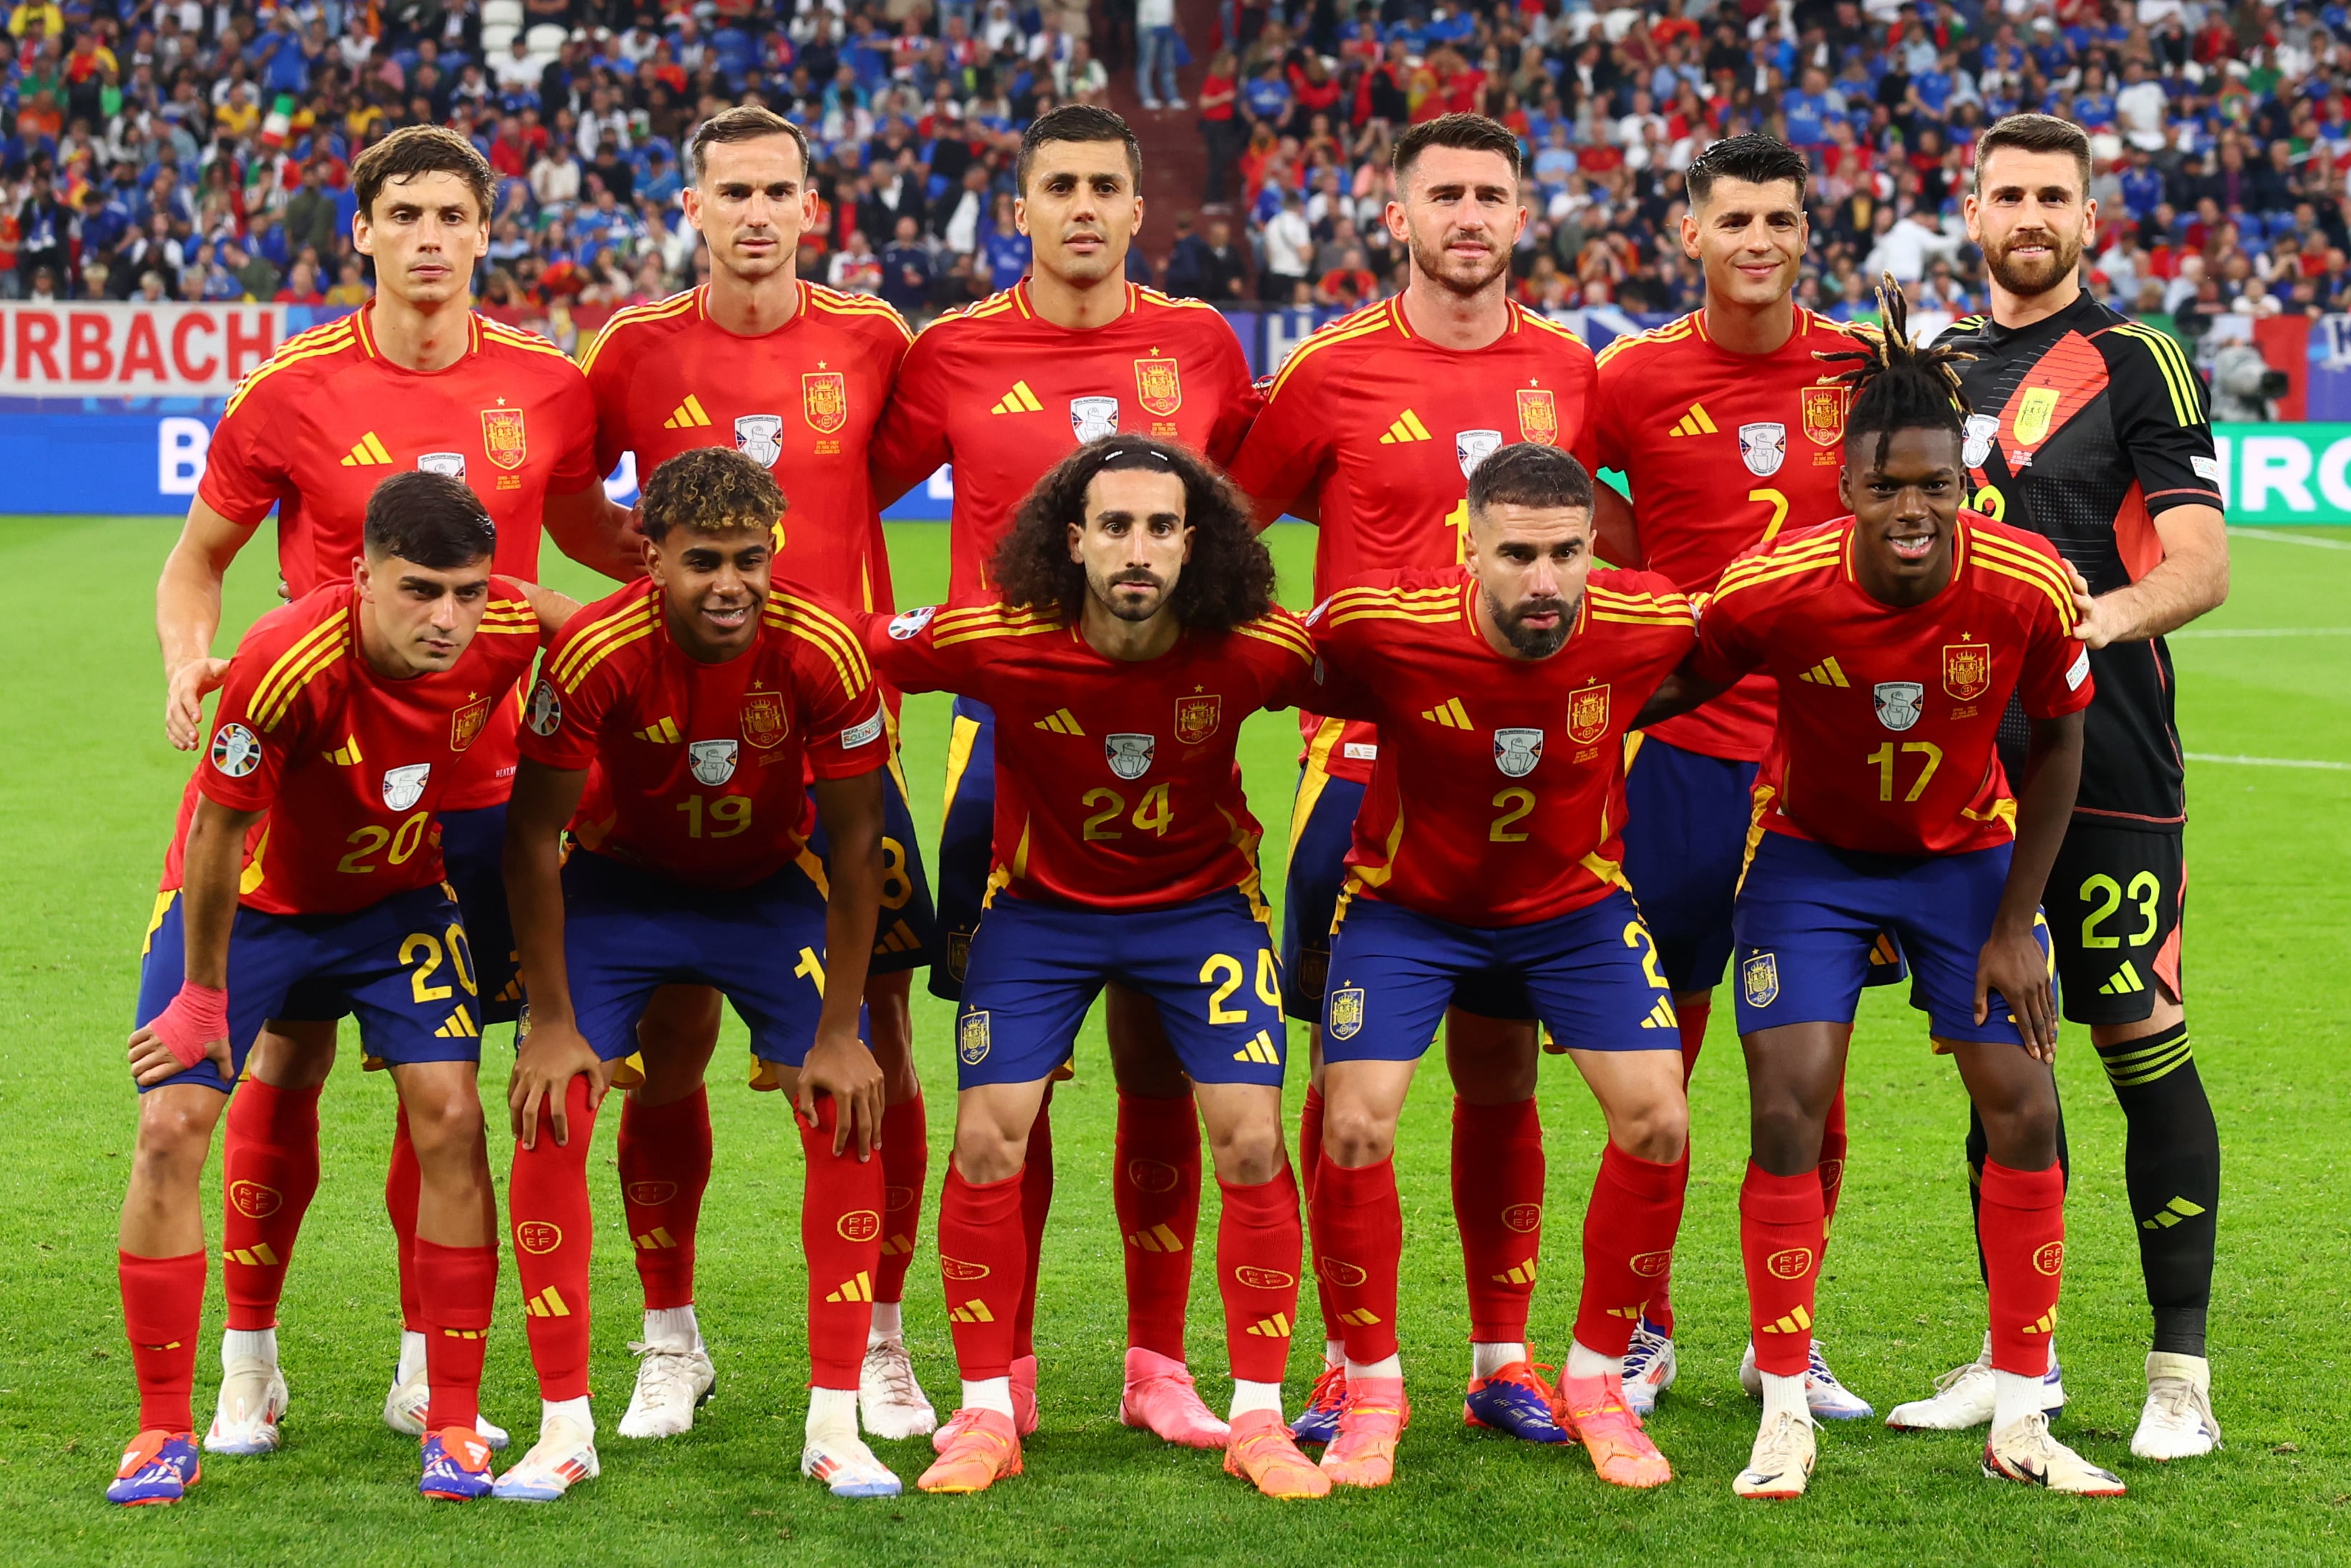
<point x="1075" y="123"/>
<point x="1228" y="581"/>
<point x="1529" y="473"/>
<point x="1469" y="132"/>
<point x="1753" y="159"/>
<point x="744" y="123"/>
<point x="710" y="490"/>
<point x="432" y="519"/>
<point x="2035" y="133"/>
<point x="415" y="150"/>
<point x="1896" y="384"/>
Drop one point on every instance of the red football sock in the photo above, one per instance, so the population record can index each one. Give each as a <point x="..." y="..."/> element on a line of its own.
<point x="840" y="1231"/>
<point x="1628" y="1240"/>
<point x="1156" y="1187"/>
<point x="1780" y="1237"/>
<point x="983" y="1262"/>
<point x="1036" y="1204"/>
<point x="546" y="1203"/>
<point x="1690" y="1018"/>
<point x="1359" y="1250"/>
<point x="1260" y="1242"/>
<point x="1310" y="1166"/>
<point x="459" y="1284"/>
<point x="403" y="1180"/>
<point x="905" y="1172"/>
<point x="1833" y="1147"/>
<point x="1497" y="1194"/>
<point x="269" y="1170"/>
<point x="163" y="1313"/>
<point x="664" y="1158"/>
<point x="2022" y="1224"/>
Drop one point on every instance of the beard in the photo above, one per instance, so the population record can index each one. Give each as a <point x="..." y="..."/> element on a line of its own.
<point x="1125" y="607"/>
<point x="1433" y="262"/>
<point x="2027" y="278"/>
<point x="1533" y="642"/>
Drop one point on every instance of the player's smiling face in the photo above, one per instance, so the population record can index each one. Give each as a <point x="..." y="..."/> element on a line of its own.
<point x="2030" y="214"/>
<point x="1134" y="542"/>
<point x="713" y="586"/>
<point x="417" y="620"/>
<point x="751" y="205"/>
<point x="425" y="234"/>
<point x="1530" y="563"/>
<point x="1458" y="210"/>
<point x="1749" y="238"/>
<point x="1905" y="497"/>
<point x="1080" y="210"/>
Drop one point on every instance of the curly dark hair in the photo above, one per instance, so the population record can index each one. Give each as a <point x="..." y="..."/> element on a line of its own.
<point x="1897" y="384"/>
<point x="710" y="490"/>
<point x="1228" y="581"/>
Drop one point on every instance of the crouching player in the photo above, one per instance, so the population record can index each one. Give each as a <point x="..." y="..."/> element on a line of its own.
<point x="673" y="728"/>
<point x="343" y="719"/>
<point x="1899" y="636"/>
<point x="1529" y="664"/>
<point x="1137" y="632"/>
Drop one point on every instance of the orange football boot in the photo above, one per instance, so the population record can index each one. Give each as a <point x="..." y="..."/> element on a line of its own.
<point x="985" y="1449"/>
<point x="1262" y="1453"/>
<point x="1363" y="1452"/>
<point x="1594" y="1411"/>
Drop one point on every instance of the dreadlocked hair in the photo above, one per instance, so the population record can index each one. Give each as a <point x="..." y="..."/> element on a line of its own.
<point x="1228" y="580"/>
<point x="1898" y="384"/>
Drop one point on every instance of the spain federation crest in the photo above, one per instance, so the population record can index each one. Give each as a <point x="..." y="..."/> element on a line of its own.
<point x="1537" y="416"/>
<point x="1158" y="387"/>
<point x="824" y="399"/>
<point x="466" y="723"/>
<point x="760" y="437"/>
<point x="1966" y="670"/>
<point x="1516" y="751"/>
<point x="1345" y="1012"/>
<point x="504" y="442"/>
<point x="1758" y="979"/>
<point x="713" y="761"/>
<point x="2036" y="407"/>
<point x="1763" y="446"/>
<point x="403" y="786"/>
<point x="1196" y="718"/>
<point x="1587" y="713"/>
<point x="1092" y="418"/>
<point x="1898" y="702"/>
<point x="1129" y="754"/>
<point x="765" y="724"/>
<point x="971" y="1039"/>
<point x="1472" y="447"/>
<point x="1823" y="414"/>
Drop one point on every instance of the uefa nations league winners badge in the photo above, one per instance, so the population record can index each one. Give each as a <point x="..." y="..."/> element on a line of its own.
<point x="1763" y="446"/>
<point x="1516" y="751"/>
<point x="713" y="761"/>
<point x="1129" y="754"/>
<point x="1898" y="702"/>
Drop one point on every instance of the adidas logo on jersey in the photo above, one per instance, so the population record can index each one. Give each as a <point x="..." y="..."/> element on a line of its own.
<point x="662" y="733"/>
<point x="1406" y="428"/>
<point x="900" y="938"/>
<point x="1361" y="1318"/>
<point x="1156" y="1238"/>
<point x="1019" y="400"/>
<point x="860" y="1289"/>
<point x="1260" y="1050"/>
<point x="2123" y="982"/>
<point x="346" y="755"/>
<point x="460" y="1026"/>
<point x="1449" y="713"/>
<point x="1695" y="423"/>
<point x="1062" y="722"/>
<point x="1825" y="674"/>
<point x="687" y="415"/>
<point x="367" y="453"/>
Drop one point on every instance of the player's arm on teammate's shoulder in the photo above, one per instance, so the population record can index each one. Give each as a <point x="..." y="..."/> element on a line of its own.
<point x="904" y="647"/>
<point x="552" y="608"/>
<point x="553" y="1051"/>
<point x="187" y="615"/>
<point x="1615" y="537"/>
<point x="596" y="531"/>
<point x="195" y="1026"/>
<point x="2011" y="961"/>
<point x="2191" y="579"/>
<point x="838" y="1063"/>
<point x="1726" y="649"/>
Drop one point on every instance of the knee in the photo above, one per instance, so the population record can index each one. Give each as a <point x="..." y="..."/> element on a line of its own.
<point x="445" y="1121"/>
<point x="2022" y="1135"/>
<point x="1355" y="1137"/>
<point x="172" y="1143"/>
<point x="1251" y="1154"/>
<point x="986" y="1154"/>
<point x="1656" y="1130"/>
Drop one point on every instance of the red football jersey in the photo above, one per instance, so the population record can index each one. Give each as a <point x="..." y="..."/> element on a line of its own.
<point x="1004" y="394"/>
<point x="802" y="400"/>
<point x="700" y="770"/>
<point x="1888" y="716"/>
<point x="1437" y="833"/>
<point x="1694" y="428"/>
<point x="1370" y="431"/>
<point x="350" y="767"/>
<point x="1090" y="808"/>
<point x="315" y="429"/>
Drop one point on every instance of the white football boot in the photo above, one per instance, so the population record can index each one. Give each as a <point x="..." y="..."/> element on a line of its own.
<point x="890" y="1402"/>
<point x="252" y="1402"/>
<point x="2024" y="1451"/>
<point x="2177" y="1422"/>
<point x="1963" y="1396"/>
<point x="1828" y="1399"/>
<point x="673" y="1380"/>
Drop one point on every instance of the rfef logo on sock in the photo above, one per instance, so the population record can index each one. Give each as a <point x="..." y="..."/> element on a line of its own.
<point x="1522" y="1218"/>
<point x="537" y="1236"/>
<point x="254" y="1200"/>
<point x="1790" y="1263"/>
<point x="2050" y="1257"/>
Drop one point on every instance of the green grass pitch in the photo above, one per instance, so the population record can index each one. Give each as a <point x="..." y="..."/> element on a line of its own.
<point x="87" y="791"/>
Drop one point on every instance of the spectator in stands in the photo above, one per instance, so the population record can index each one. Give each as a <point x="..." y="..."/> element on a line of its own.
<point x="1288" y="248"/>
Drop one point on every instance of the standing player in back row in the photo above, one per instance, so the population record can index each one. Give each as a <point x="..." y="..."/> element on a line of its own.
<point x="1004" y="390"/>
<point x="1726" y="426"/>
<point x="1346" y="441"/>
<point x="2092" y="431"/>
<point x="794" y="375"/>
<point x="414" y="379"/>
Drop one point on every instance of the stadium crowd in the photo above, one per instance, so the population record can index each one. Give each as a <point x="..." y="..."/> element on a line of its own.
<point x="171" y="148"/>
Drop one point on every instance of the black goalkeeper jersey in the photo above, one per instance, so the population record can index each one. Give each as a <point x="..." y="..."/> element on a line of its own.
<point x="2086" y="427"/>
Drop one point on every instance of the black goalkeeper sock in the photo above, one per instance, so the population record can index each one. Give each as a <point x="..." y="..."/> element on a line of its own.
<point x="2171" y="1164"/>
<point x="1978" y="1151"/>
